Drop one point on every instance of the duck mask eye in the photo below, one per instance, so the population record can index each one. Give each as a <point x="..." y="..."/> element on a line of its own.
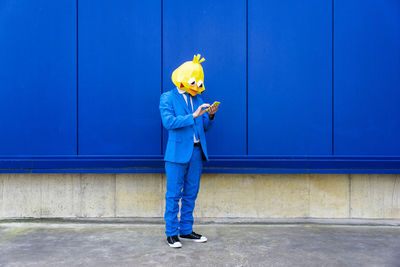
<point x="192" y="82"/>
<point x="200" y="84"/>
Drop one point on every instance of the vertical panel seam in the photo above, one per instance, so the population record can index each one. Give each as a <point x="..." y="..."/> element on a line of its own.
<point x="162" y="194"/>
<point x="247" y="77"/>
<point x="80" y="199"/>
<point x="309" y="215"/>
<point x="350" y="213"/>
<point x="41" y="193"/>
<point x="2" y="195"/>
<point x="333" y="78"/>
<point x="77" y="82"/>
<point x="115" y="194"/>
<point x="162" y="67"/>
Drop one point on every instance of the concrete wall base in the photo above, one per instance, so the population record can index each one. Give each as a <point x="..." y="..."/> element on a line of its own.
<point x="370" y="196"/>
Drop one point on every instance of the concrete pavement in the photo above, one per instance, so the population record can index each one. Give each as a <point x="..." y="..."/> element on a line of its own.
<point x="124" y="244"/>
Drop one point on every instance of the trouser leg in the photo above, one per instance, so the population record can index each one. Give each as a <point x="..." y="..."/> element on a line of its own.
<point x="190" y="191"/>
<point x="175" y="180"/>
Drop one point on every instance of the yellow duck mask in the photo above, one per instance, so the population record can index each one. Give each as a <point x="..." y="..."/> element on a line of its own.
<point x="189" y="76"/>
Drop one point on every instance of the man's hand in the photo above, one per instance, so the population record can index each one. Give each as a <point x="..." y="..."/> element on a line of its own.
<point x="213" y="109"/>
<point x="200" y="110"/>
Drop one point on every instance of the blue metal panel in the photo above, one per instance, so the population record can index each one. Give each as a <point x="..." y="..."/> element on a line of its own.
<point x="38" y="77"/>
<point x="367" y="77"/>
<point x="119" y="77"/>
<point x="121" y="71"/>
<point x="290" y="77"/>
<point x="216" y="30"/>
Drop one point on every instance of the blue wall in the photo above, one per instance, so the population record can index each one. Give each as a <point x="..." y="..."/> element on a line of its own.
<point x="290" y="78"/>
<point x="119" y="71"/>
<point x="38" y="63"/>
<point x="367" y="77"/>
<point x="304" y="85"/>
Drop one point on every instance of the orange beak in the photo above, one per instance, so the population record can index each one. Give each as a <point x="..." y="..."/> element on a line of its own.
<point x="193" y="90"/>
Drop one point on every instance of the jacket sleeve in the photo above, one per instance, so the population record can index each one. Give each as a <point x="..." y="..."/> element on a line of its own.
<point x="169" y="120"/>
<point x="207" y="123"/>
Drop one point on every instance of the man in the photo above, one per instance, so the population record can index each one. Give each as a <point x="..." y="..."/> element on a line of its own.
<point x="183" y="114"/>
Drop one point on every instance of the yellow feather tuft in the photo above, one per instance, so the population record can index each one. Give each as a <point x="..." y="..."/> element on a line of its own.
<point x="196" y="59"/>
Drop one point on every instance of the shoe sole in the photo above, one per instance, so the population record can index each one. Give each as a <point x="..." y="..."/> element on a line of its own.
<point x="193" y="240"/>
<point x="174" y="246"/>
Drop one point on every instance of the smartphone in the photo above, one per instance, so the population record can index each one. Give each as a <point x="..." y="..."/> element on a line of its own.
<point x="216" y="103"/>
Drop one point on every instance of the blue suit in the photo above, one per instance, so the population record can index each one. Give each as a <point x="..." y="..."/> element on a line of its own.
<point x="178" y="120"/>
<point x="183" y="160"/>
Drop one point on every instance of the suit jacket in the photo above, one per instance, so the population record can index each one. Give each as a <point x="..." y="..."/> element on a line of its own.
<point x="177" y="118"/>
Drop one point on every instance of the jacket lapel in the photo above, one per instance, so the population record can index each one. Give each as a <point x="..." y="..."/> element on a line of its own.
<point x="182" y="100"/>
<point x="195" y="103"/>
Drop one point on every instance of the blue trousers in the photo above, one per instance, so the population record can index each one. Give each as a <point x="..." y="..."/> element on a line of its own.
<point x="183" y="182"/>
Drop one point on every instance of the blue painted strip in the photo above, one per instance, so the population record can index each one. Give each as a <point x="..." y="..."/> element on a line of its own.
<point x="210" y="170"/>
<point x="213" y="158"/>
<point x="216" y="165"/>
